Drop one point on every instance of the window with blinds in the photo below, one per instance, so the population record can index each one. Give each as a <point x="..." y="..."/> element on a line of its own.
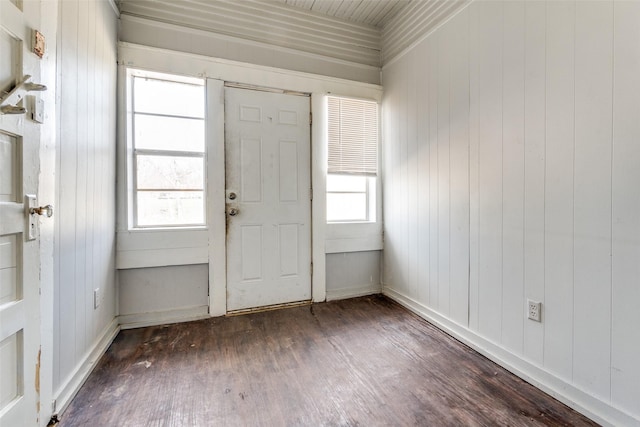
<point x="353" y="136"/>
<point x="352" y="160"/>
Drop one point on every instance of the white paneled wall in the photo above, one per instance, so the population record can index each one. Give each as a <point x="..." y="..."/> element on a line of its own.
<point x="511" y="172"/>
<point x="85" y="205"/>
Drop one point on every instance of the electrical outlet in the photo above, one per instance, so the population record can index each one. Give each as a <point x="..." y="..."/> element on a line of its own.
<point x="96" y="298"/>
<point x="534" y="310"/>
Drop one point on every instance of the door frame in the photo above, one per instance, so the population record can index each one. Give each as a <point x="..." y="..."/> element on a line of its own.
<point x="216" y="176"/>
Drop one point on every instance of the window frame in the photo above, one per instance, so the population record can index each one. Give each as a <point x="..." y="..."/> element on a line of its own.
<point x="133" y="152"/>
<point x="373" y="191"/>
<point x="371" y="185"/>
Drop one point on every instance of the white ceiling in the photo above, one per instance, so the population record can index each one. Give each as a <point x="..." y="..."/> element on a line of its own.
<point x="370" y="12"/>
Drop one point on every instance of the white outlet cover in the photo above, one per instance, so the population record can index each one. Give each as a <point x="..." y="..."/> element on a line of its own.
<point x="534" y="310"/>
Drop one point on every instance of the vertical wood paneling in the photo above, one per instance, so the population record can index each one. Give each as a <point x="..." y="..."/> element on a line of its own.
<point x="402" y="191"/>
<point x="432" y="75"/>
<point x="444" y="219"/>
<point x="85" y="206"/>
<point x="592" y="193"/>
<point x="412" y="173"/>
<point x="424" y="166"/>
<point x="490" y="169"/>
<point x="80" y="250"/>
<point x="513" y="176"/>
<point x="459" y="169"/>
<point x="90" y="202"/>
<point x="559" y="207"/>
<point x="545" y="98"/>
<point x="474" y="190"/>
<point x="534" y="180"/>
<point x="625" y="318"/>
<point x="66" y="212"/>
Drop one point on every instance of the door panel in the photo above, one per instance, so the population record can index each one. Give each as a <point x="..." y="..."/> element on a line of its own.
<point x="267" y="155"/>
<point x="8" y="164"/>
<point x="288" y="240"/>
<point x="251" y="256"/>
<point x="19" y="254"/>
<point x="251" y="170"/>
<point x="9" y="291"/>
<point x="288" y="171"/>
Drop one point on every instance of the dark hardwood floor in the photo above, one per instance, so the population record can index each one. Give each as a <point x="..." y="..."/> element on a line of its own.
<point x="359" y="362"/>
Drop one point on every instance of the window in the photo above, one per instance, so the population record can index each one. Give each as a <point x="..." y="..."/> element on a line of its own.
<point x="167" y="141"/>
<point x="352" y="160"/>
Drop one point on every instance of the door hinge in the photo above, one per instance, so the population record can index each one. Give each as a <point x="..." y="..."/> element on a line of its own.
<point x="312" y="268"/>
<point x="311" y="194"/>
<point x="310" y="118"/>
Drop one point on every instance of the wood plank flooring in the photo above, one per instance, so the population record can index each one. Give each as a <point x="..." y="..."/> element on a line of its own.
<point x="359" y="362"/>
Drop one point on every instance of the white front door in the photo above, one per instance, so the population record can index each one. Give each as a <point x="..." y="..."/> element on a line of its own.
<point x="268" y="188"/>
<point x="19" y="254"/>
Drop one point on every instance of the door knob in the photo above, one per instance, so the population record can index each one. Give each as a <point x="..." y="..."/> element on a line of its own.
<point x="42" y="210"/>
<point x="233" y="212"/>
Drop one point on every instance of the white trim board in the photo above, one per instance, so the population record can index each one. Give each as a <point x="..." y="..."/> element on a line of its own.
<point x="216" y="195"/>
<point x="590" y="406"/>
<point x="363" y="243"/>
<point x="189" y="64"/>
<point x="142" y="320"/>
<point x="65" y="394"/>
<point x="161" y="257"/>
<point x="360" y="291"/>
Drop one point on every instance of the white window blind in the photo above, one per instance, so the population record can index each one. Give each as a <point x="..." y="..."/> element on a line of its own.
<point x="353" y="136"/>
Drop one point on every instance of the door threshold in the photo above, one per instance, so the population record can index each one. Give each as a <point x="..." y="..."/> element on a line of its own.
<point x="268" y="308"/>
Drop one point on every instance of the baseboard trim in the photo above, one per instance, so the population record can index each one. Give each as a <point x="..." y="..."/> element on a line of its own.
<point x="344" y="293"/>
<point x="69" y="389"/>
<point x="592" y="407"/>
<point x="142" y="320"/>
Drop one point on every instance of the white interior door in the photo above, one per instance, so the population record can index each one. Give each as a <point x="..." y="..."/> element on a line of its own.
<point x="268" y="189"/>
<point x="19" y="254"/>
